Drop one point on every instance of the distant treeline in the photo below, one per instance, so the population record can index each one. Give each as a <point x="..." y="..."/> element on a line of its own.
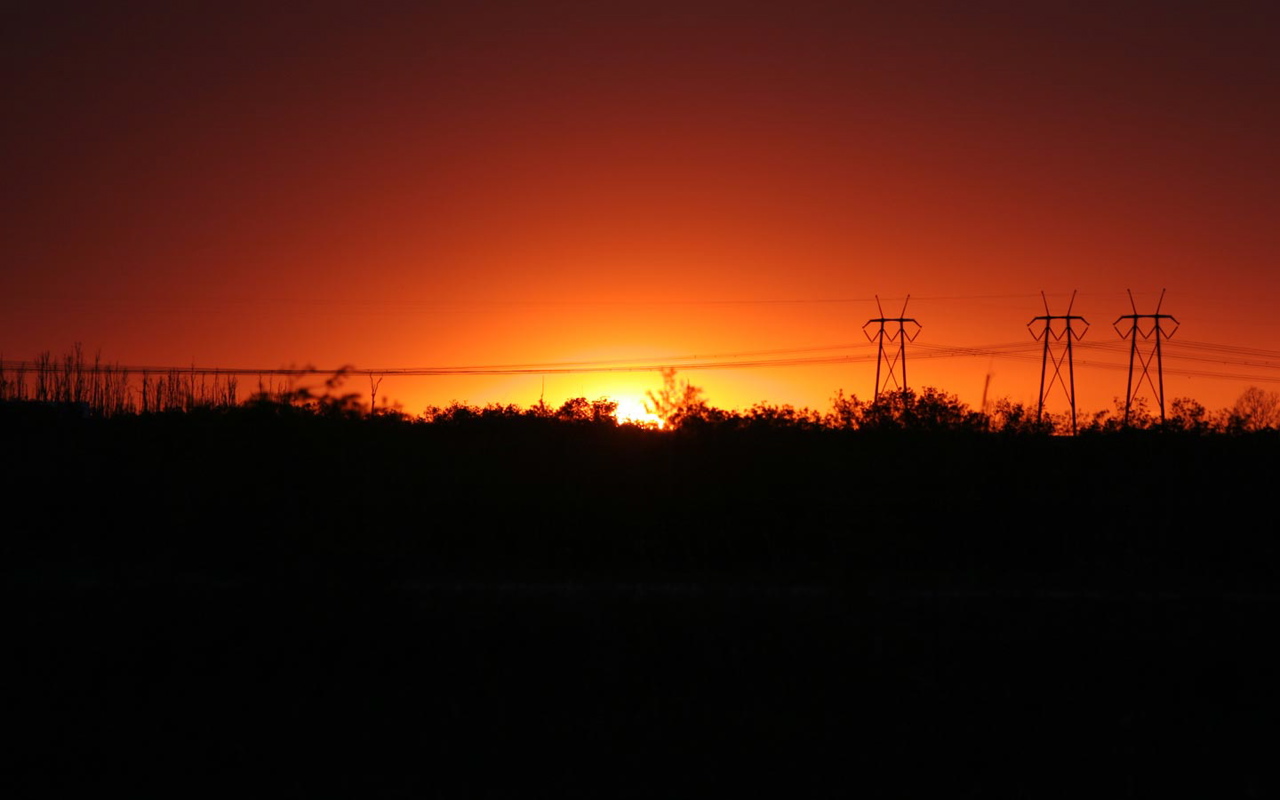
<point x="269" y="489"/>
<point x="73" y="384"/>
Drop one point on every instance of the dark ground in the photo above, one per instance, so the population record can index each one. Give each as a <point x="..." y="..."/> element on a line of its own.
<point x="303" y="607"/>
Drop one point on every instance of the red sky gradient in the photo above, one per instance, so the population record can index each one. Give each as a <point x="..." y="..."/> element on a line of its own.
<point x="400" y="185"/>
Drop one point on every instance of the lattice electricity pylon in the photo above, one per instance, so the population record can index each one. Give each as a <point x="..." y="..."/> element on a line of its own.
<point x="1155" y="333"/>
<point x="895" y="361"/>
<point x="1066" y="334"/>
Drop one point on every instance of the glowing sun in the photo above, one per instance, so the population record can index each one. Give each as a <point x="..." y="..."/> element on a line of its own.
<point x="632" y="410"/>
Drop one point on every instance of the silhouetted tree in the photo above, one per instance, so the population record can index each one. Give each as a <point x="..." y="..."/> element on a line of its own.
<point x="678" y="402"/>
<point x="1009" y="417"/>
<point x="1188" y="416"/>
<point x="604" y="411"/>
<point x="930" y="410"/>
<point x="579" y="409"/>
<point x="327" y="403"/>
<point x="846" y="412"/>
<point x="1257" y="409"/>
<point x="764" y="415"/>
<point x="455" y="412"/>
<point x="575" y="409"/>
<point x="1110" y="421"/>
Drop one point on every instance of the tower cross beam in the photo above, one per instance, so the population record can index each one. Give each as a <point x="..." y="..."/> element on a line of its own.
<point x="1067" y="335"/>
<point x="891" y="362"/>
<point x="1156" y="334"/>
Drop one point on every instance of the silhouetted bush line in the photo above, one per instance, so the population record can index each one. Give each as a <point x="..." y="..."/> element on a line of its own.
<point x="267" y="490"/>
<point x="71" y="386"/>
<point x="311" y="485"/>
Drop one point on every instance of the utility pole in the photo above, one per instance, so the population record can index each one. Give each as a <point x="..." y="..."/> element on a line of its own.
<point x="1066" y="335"/>
<point x="892" y="361"/>
<point x="1155" y="334"/>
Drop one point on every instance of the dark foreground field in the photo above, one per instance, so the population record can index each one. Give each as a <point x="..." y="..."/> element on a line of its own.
<point x="254" y="605"/>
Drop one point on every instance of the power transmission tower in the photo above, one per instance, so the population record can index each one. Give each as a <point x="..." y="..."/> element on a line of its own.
<point x="1155" y="334"/>
<point x="892" y="361"/>
<point x="1066" y="335"/>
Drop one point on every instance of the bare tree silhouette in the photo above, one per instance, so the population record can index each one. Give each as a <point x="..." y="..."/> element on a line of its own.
<point x="1257" y="409"/>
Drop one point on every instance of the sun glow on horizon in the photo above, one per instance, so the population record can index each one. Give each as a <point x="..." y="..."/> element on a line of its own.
<point x="631" y="410"/>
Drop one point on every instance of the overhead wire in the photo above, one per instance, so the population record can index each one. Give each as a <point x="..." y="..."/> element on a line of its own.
<point x="852" y="353"/>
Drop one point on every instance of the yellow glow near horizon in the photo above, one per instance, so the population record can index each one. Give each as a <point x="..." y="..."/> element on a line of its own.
<point x="632" y="410"/>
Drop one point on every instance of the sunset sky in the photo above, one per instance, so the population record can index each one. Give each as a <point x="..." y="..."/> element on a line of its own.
<point x="266" y="184"/>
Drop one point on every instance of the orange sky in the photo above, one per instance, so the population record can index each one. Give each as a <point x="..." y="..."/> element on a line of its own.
<point x="386" y="186"/>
